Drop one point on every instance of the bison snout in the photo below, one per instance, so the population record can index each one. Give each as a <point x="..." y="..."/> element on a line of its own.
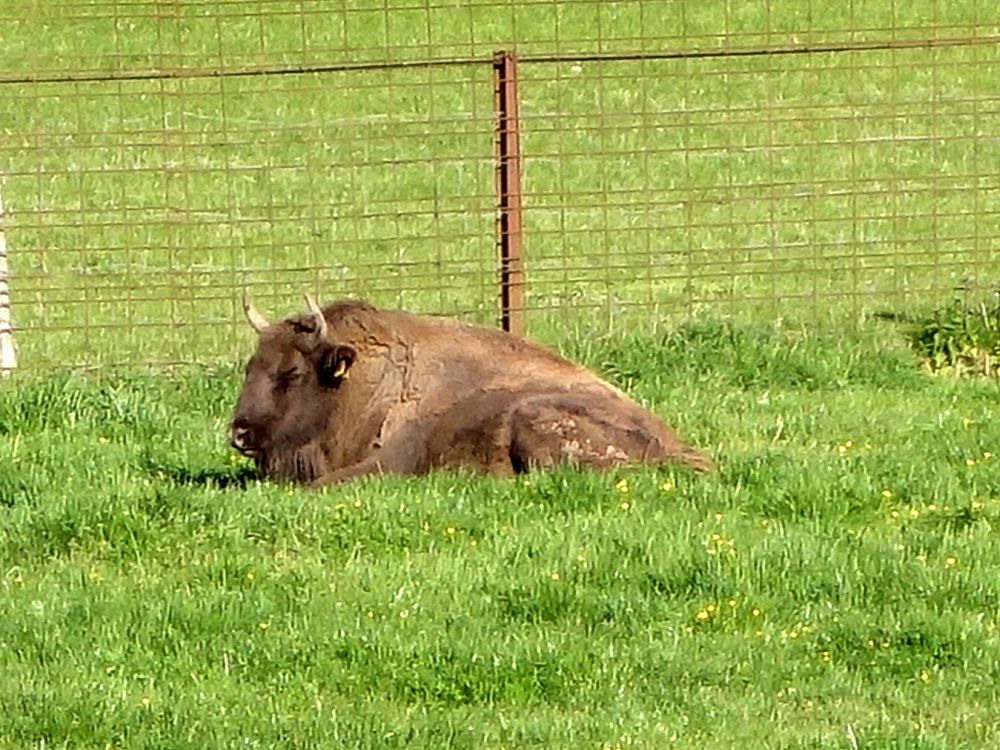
<point x="241" y="438"/>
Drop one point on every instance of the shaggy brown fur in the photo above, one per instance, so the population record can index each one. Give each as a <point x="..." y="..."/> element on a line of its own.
<point x="370" y="391"/>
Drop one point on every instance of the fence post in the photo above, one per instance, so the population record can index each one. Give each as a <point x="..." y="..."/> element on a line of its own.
<point x="8" y="357"/>
<point x="508" y="186"/>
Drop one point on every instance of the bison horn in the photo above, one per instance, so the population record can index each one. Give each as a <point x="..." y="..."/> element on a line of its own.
<point x="316" y="310"/>
<point x="254" y="317"/>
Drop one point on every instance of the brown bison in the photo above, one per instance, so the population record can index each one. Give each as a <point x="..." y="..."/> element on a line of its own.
<point x="352" y="390"/>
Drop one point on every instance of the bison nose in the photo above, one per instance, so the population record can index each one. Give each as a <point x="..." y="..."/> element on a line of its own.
<point x="240" y="438"/>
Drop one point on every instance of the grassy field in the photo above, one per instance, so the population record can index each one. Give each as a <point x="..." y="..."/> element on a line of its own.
<point x="835" y="585"/>
<point x="713" y="235"/>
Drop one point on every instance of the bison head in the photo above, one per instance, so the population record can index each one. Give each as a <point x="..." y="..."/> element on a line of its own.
<point x="288" y="392"/>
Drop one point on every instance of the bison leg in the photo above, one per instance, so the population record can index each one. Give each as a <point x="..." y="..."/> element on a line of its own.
<point x="368" y="467"/>
<point x="589" y="430"/>
<point x="405" y="453"/>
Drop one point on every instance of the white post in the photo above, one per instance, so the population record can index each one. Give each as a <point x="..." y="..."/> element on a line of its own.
<point x="8" y="358"/>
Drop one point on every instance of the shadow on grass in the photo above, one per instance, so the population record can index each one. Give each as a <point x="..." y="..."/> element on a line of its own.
<point x="237" y="477"/>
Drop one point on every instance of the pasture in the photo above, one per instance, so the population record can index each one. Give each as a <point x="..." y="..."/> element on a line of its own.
<point x="837" y="578"/>
<point x="715" y="236"/>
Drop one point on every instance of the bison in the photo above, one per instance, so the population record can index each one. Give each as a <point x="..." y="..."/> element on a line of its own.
<point x="353" y="390"/>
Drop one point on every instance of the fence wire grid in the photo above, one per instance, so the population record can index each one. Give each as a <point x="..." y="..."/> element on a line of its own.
<point x="750" y="158"/>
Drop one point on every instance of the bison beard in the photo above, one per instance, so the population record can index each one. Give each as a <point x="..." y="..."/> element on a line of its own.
<point x="352" y="390"/>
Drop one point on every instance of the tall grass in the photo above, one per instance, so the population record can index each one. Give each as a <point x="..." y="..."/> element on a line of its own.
<point x="836" y="579"/>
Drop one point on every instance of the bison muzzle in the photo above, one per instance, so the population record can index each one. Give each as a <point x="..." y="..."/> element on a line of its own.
<point x="352" y="390"/>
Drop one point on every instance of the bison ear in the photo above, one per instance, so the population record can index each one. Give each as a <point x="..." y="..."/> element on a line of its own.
<point x="334" y="364"/>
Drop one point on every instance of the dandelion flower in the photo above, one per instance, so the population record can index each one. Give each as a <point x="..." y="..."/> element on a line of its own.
<point x="555" y="576"/>
<point x="667" y="486"/>
<point x="622" y="486"/>
<point x="951" y="561"/>
<point x="702" y="615"/>
<point x="886" y="493"/>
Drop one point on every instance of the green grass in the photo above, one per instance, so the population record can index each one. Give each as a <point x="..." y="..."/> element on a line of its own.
<point x="837" y="578"/>
<point x="834" y="585"/>
<point x="826" y="186"/>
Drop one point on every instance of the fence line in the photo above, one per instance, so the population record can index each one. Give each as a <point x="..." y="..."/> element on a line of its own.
<point x="658" y="159"/>
<point x="250" y="71"/>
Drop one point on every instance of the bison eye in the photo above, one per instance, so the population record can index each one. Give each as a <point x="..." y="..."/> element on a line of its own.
<point x="287" y="378"/>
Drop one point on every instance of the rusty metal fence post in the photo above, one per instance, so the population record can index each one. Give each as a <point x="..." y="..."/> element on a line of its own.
<point x="508" y="186"/>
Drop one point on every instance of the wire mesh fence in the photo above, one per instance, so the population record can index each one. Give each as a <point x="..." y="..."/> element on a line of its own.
<point x="811" y="160"/>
